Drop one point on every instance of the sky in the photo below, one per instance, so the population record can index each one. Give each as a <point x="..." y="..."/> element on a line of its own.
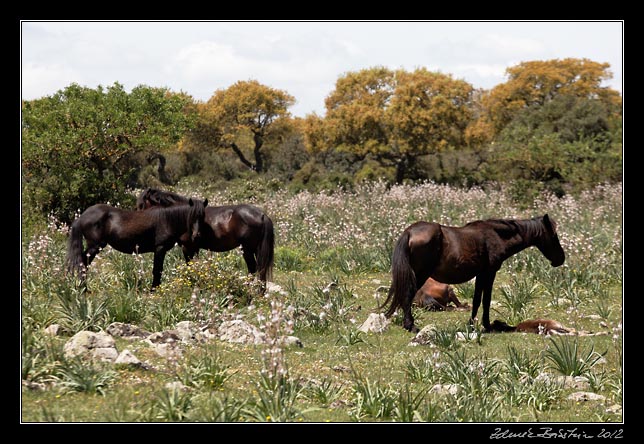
<point x="303" y="58"/>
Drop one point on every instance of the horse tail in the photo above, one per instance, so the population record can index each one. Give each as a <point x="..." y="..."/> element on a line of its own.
<point x="403" y="277"/>
<point x="74" y="261"/>
<point x="266" y="249"/>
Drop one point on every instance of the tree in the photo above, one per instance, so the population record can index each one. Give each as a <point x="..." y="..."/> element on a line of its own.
<point x="243" y="118"/>
<point x="78" y="145"/>
<point x="392" y="116"/>
<point x="535" y="83"/>
<point x="567" y="143"/>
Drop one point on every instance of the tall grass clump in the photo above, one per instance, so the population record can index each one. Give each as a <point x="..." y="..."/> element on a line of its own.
<point x="565" y="356"/>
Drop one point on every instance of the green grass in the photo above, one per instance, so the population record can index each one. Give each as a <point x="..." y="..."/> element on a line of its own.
<point x="340" y="375"/>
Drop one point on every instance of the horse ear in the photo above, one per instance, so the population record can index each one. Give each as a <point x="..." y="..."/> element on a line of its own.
<point x="205" y="203"/>
<point x="190" y="202"/>
<point x="546" y="221"/>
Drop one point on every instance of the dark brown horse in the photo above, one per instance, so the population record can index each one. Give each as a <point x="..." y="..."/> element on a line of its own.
<point x="226" y="227"/>
<point x="155" y="230"/>
<point x="454" y="255"/>
<point x="436" y="296"/>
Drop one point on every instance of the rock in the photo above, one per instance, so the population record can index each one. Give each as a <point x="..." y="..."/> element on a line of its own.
<point x="340" y="368"/>
<point x="445" y="389"/>
<point x="424" y="336"/>
<point x="240" y="332"/>
<point x="127" y="358"/>
<point x="53" y="330"/>
<point x="573" y="382"/>
<point x="272" y="288"/>
<point x="615" y="408"/>
<point x="586" y="396"/>
<point x="594" y="317"/>
<point x="31" y="385"/>
<point x="164" y="337"/>
<point x="127" y="331"/>
<point x="98" y="346"/>
<point x="375" y="323"/>
<point x="560" y="301"/>
<point x="187" y="330"/>
<point x="461" y="336"/>
<point x="291" y="340"/>
<point x="175" y="386"/>
<point x="167" y="350"/>
<point x="328" y="288"/>
<point x="603" y="324"/>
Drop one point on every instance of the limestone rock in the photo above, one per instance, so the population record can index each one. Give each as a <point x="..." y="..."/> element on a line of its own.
<point x="53" y="330"/>
<point x="164" y="337"/>
<point x="586" y="396"/>
<point x="127" y="358"/>
<point x="291" y="340"/>
<point x="240" y="332"/>
<point x="615" y="408"/>
<point x="375" y="323"/>
<point x="471" y="336"/>
<point x="127" y="331"/>
<point x="98" y="346"/>
<point x="445" y="389"/>
<point x="424" y="336"/>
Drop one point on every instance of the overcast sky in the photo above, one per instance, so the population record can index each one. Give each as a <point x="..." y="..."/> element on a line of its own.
<point x="305" y="59"/>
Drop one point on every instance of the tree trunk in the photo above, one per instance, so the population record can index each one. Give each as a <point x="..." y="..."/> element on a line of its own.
<point x="259" y="161"/>
<point x="241" y="156"/>
<point x="401" y="168"/>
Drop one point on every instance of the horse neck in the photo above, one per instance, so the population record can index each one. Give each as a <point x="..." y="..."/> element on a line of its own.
<point x="177" y="217"/>
<point x="531" y="230"/>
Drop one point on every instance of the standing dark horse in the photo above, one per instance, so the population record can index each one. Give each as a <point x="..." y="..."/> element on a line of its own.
<point x="454" y="255"/>
<point x="155" y="230"/>
<point x="226" y="227"/>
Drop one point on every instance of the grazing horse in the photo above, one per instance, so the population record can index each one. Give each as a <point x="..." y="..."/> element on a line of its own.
<point x="155" y="230"/>
<point x="226" y="227"/>
<point x="436" y="296"/>
<point x="454" y="255"/>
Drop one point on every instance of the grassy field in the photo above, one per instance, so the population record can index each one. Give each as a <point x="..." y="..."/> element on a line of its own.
<point x="340" y="374"/>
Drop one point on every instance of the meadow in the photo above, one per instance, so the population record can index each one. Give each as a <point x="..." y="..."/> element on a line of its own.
<point x="340" y="374"/>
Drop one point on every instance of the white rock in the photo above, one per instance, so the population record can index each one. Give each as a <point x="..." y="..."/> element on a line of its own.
<point x="615" y="408"/>
<point x="240" y="332"/>
<point x="291" y="340"/>
<point x="586" y="396"/>
<point x="127" y="331"/>
<point x="424" y="336"/>
<point x="126" y="357"/>
<point x="53" y="330"/>
<point x="98" y="346"/>
<point x="445" y="389"/>
<point x="375" y="323"/>
<point x="461" y="336"/>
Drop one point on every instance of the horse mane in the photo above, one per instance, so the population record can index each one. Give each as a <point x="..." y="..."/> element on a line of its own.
<point x="527" y="228"/>
<point x="164" y="198"/>
<point x="178" y="215"/>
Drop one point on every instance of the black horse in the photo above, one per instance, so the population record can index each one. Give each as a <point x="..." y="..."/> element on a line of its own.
<point x="226" y="227"/>
<point x="155" y="230"/>
<point x="454" y="255"/>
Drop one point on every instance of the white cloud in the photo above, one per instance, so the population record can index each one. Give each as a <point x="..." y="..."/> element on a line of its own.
<point x="44" y="79"/>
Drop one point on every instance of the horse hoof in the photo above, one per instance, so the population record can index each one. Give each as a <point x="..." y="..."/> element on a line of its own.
<point x="413" y="329"/>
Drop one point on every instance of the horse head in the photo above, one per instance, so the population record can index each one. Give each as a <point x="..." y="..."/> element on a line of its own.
<point x="549" y="244"/>
<point x="143" y="201"/>
<point x="196" y="217"/>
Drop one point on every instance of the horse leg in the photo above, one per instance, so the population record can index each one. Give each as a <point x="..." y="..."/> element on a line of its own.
<point x="251" y="262"/>
<point x="478" y="290"/>
<point x="159" y="257"/>
<point x="487" y="298"/>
